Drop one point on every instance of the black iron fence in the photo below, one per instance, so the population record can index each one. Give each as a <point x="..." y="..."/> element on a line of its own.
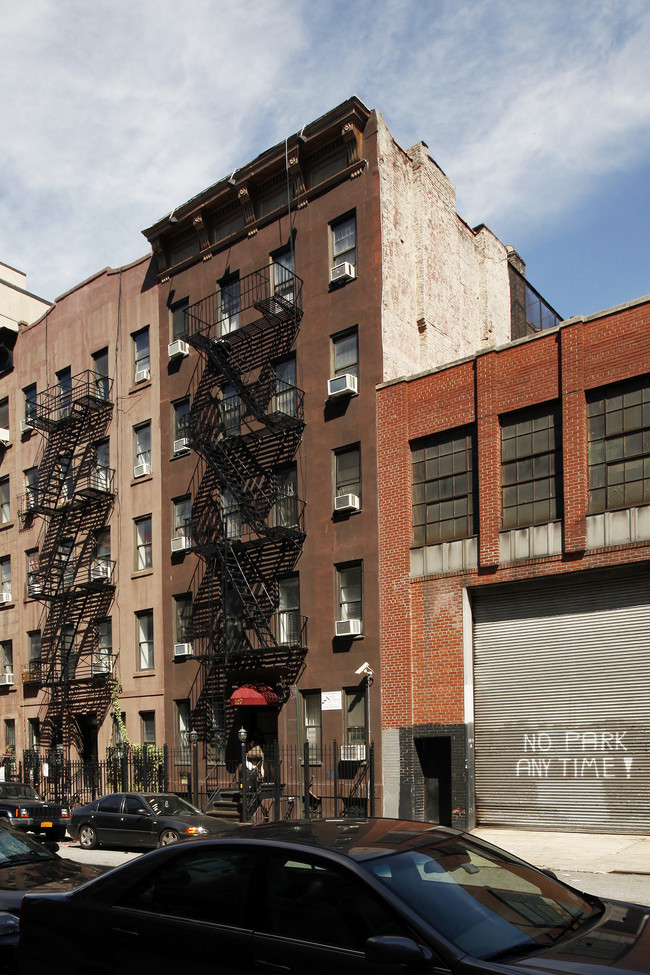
<point x="334" y="780"/>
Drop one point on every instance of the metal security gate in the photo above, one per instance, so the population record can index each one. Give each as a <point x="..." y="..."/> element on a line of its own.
<point x="562" y="703"/>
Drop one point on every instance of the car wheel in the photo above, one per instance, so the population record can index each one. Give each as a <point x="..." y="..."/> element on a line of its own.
<point x="87" y="838"/>
<point x="168" y="836"/>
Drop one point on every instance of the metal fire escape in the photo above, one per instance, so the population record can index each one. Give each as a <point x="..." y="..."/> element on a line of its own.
<point x="72" y="573"/>
<point x="246" y="425"/>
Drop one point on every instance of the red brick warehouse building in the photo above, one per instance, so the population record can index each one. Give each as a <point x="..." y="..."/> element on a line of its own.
<point x="514" y="487"/>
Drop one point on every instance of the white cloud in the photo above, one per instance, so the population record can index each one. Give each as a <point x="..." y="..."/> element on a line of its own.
<point x="113" y="113"/>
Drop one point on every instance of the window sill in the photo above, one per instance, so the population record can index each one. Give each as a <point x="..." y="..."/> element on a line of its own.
<point x="145" y="673"/>
<point x="141" y="573"/>
<point x="140" y="480"/>
<point x="136" y="389"/>
<point x="6" y="525"/>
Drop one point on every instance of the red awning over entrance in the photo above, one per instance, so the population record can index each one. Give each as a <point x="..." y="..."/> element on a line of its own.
<point x="259" y="695"/>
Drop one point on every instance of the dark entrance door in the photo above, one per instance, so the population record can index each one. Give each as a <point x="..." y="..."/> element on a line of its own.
<point x="435" y="761"/>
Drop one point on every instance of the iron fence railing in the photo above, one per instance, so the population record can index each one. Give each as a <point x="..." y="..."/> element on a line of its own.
<point x="298" y="782"/>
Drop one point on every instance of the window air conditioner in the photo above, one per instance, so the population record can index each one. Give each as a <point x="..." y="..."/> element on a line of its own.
<point x="142" y="376"/>
<point x="182" y="650"/>
<point x="347" y="502"/>
<point x="100" y="570"/>
<point x="178" y="348"/>
<point x="30" y="500"/>
<point x="26" y="426"/>
<point x="346" y="385"/>
<point x="6" y="678"/>
<point x="182" y="445"/>
<point x="141" y="470"/>
<point x="342" y="272"/>
<point x="4" y="437"/>
<point x="348" y="627"/>
<point x="5" y="597"/>
<point x="100" y="667"/>
<point x="353" y="753"/>
<point x="180" y="544"/>
<point x="34" y="589"/>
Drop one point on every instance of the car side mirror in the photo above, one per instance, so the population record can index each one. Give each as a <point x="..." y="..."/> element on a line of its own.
<point x="389" y="950"/>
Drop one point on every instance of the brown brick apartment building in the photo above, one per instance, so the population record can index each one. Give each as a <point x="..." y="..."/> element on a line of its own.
<point x="191" y="514"/>
<point x="514" y="488"/>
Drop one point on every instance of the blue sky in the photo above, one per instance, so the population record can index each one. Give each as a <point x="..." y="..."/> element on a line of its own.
<point x="539" y="112"/>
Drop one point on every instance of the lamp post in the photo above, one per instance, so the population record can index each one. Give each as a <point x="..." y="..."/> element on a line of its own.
<point x="242" y="734"/>
<point x="193" y="737"/>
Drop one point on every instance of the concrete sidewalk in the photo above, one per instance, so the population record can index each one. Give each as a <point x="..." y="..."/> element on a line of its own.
<point x="586" y="852"/>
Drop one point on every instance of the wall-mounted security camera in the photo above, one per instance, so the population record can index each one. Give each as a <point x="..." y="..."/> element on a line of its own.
<point x="366" y="670"/>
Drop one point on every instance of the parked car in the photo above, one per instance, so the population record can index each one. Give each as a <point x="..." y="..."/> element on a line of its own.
<point x="25" y="810"/>
<point x="332" y="896"/>
<point x="26" y="864"/>
<point x="140" y="819"/>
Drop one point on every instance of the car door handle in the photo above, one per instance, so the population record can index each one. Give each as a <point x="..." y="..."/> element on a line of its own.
<point x="124" y="934"/>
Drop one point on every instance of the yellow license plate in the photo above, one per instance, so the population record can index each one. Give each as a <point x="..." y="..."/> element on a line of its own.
<point x="46" y="825"/>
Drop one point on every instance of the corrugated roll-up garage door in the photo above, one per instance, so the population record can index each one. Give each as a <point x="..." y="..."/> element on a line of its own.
<point x="562" y="703"/>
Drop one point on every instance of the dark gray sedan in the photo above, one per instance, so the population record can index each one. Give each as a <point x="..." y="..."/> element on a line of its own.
<point x="328" y="897"/>
<point x="147" y="819"/>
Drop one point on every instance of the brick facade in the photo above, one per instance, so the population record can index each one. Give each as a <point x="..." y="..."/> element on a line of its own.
<point x="426" y="633"/>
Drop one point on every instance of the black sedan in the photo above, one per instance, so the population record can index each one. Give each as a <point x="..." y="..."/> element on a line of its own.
<point x="26" y="864"/>
<point x="333" y="896"/>
<point x="140" y="819"/>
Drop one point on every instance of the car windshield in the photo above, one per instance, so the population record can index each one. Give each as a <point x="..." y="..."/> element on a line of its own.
<point x="15" y="847"/>
<point x="486" y="904"/>
<point x="170" y="805"/>
<point x="17" y="790"/>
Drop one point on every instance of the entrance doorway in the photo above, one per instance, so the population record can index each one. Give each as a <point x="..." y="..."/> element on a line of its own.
<point x="435" y="762"/>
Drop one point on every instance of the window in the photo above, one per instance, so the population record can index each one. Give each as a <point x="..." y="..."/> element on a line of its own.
<point x="183" y="618"/>
<point x="64" y="478"/>
<point x="285" y="399"/>
<point x="286" y="507"/>
<point x="284" y="273"/>
<point x="141" y="358"/>
<point x="103" y="660"/>
<point x="143" y="558"/>
<point x="10" y="736"/>
<point x="530" y="467"/>
<point x="343" y="240"/>
<point x="31" y="488"/>
<point x="182" y="517"/>
<point x="345" y="354"/>
<point x="619" y="446"/>
<point x="142" y="448"/>
<point x="443" y="470"/>
<point x="5" y="501"/>
<point x="7" y="660"/>
<point x="181" y="420"/>
<point x="231" y="514"/>
<point x="179" y="319"/>
<point x="148" y="727"/>
<point x="100" y="369"/>
<point x="101" y="479"/>
<point x="34" y="647"/>
<point x="4" y="413"/>
<point x="355" y="716"/>
<point x="64" y="392"/>
<point x="33" y="734"/>
<point x="230" y="411"/>
<point x="230" y="299"/>
<point x="144" y="628"/>
<point x="347" y="471"/>
<point x="288" y="616"/>
<point x="31" y="400"/>
<point x="349" y="591"/>
<point x="68" y="655"/>
<point x="5" y="579"/>
<point x="181" y="731"/>
<point x="34" y="583"/>
<point x="102" y="561"/>
<point x="313" y="723"/>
